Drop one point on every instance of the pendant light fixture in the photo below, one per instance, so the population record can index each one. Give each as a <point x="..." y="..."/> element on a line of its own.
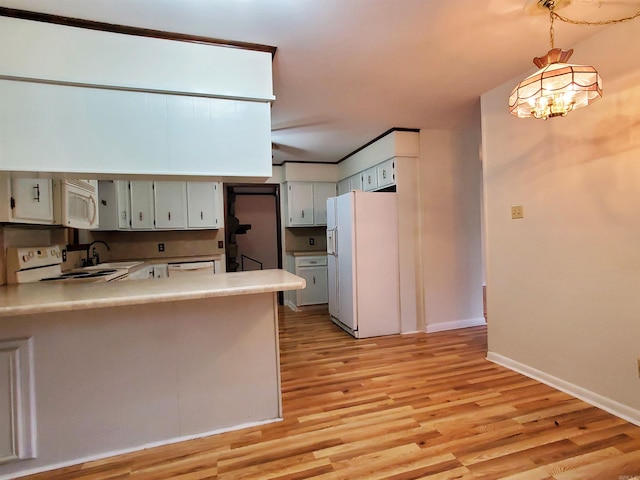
<point x="558" y="87"/>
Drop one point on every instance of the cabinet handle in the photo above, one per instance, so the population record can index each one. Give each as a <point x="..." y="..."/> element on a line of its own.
<point x="140" y="216"/>
<point x="314" y="280"/>
<point x="169" y="216"/>
<point x="302" y="213"/>
<point x="37" y="194"/>
<point x="201" y="216"/>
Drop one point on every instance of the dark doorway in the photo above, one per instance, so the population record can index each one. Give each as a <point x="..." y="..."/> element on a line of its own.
<point x="253" y="227"/>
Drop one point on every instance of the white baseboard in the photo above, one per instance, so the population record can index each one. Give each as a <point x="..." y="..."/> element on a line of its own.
<point x="607" y="404"/>
<point x="45" y="468"/>
<point x="469" y="322"/>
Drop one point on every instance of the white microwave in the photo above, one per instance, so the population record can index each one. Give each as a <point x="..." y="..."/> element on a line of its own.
<point x="78" y="203"/>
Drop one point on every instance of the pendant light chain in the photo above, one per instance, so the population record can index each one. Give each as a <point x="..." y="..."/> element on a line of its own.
<point x="552" y="35"/>
<point x="553" y="15"/>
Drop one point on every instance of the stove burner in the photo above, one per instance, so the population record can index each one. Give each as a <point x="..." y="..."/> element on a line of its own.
<point x="80" y="275"/>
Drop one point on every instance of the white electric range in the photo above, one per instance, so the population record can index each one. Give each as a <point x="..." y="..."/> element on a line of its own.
<point x="37" y="264"/>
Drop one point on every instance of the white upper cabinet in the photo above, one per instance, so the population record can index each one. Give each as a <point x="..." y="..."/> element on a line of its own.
<point x="344" y="186"/>
<point x="146" y="205"/>
<point x="307" y="203"/>
<point x="322" y="191"/>
<point x="299" y="204"/>
<point x="170" y="200"/>
<point x="355" y="182"/>
<point x="114" y="205"/>
<point x="385" y="173"/>
<point x="204" y="205"/>
<point x="370" y="179"/>
<point x="26" y="200"/>
<point x="142" y="210"/>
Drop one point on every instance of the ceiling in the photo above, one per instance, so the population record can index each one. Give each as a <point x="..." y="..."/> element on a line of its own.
<point x="348" y="70"/>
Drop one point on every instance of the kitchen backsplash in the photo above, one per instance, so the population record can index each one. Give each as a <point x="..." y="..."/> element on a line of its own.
<point x="175" y="243"/>
<point x="123" y="245"/>
<point x="298" y="239"/>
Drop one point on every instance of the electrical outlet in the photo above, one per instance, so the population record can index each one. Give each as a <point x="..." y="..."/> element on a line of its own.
<point x="64" y="254"/>
<point x="312" y="241"/>
<point x="517" y="211"/>
<point x="220" y="244"/>
<point x="161" y="247"/>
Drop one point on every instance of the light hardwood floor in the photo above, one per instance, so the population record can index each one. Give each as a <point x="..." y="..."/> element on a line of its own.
<point x="398" y="407"/>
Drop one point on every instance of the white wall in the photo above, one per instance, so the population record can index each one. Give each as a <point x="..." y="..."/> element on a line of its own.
<point x="451" y="249"/>
<point x="563" y="283"/>
<point x="310" y="172"/>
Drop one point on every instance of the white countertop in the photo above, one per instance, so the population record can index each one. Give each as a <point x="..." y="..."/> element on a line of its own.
<point x="43" y="297"/>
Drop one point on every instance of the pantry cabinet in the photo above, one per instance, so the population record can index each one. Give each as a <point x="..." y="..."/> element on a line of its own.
<point x="26" y="200"/>
<point x="307" y="203"/>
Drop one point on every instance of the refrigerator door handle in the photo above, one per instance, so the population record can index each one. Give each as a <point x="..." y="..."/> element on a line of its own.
<point x="331" y="250"/>
<point x="335" y="243"/>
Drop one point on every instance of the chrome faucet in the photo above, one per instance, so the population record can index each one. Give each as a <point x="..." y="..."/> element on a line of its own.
<point x="95" y="258"/>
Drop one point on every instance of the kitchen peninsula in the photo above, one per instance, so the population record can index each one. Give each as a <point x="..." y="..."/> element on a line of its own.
<point x="105" y="368"/>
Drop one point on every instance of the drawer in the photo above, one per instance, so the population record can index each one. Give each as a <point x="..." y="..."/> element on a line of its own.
<point x="311" y="261"/>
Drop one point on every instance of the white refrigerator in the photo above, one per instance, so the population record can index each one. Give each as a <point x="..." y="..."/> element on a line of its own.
<point x="362" y="258"/>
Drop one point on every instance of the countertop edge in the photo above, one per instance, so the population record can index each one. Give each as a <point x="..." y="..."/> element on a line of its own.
<point x="19" y="299"/>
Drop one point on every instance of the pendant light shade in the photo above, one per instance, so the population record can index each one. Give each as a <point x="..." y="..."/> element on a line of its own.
<point x="556" y="89"/>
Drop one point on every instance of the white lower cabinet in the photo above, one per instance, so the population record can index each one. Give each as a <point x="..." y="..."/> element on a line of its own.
<point x="313" y="268"/>
<point x="17" y="400"/>
<point x="316" y="290"/>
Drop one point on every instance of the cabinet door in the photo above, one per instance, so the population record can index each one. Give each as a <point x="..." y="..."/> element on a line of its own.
<point x="322" y="191"/>
<point x="369" y="179"/>
<point x="123" y="201"/>
<point x="344" y="186"/>
<point x="33" y="200"/>
<point x="203" y="205"/>
<point x="385" y="173"/>
<point x="316" y="291"/>
<point x="170" y="205"/>
<point x="355" y="181"/>
<point x="141" y="204"/>
<point x="114" y="207"/>
<point x="300" y="204"/>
